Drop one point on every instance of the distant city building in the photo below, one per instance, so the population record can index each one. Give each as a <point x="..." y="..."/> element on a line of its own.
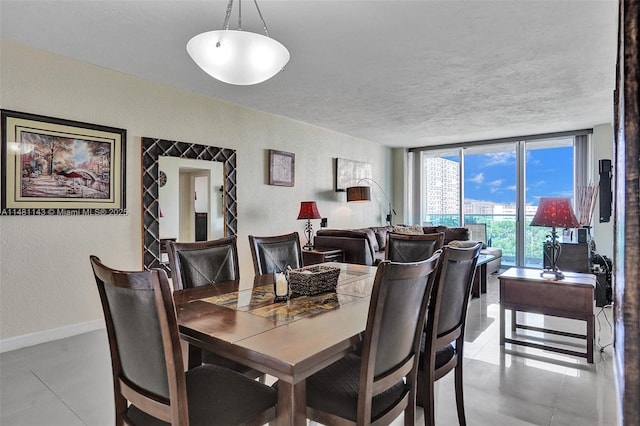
<point x="498" y="210"/>
<point x="442" y="191"/>
<point x="442" y="186"/>
<point x="478" y="207"/>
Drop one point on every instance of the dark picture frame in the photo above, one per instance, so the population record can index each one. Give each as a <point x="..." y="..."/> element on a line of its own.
<point x="350" y="173"/>
<point x="282" y="168"/>
<point x="53" y="166"/>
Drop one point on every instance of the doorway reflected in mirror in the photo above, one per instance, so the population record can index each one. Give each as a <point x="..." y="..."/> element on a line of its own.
<point x="190" y="201"/>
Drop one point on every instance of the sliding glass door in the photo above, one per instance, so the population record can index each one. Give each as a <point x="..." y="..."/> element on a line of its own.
<point x="490" y="195"/>
<point x="548" y="172"/>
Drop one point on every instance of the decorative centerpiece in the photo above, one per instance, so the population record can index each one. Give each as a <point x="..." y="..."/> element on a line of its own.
<point x="586" y="204"/>
<point x="314" y="279"/>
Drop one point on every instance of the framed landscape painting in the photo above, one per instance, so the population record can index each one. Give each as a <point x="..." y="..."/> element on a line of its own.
<point x="52" y="166"/>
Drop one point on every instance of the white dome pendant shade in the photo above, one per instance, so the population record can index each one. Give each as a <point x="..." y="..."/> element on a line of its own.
<point x="238" y="57"/>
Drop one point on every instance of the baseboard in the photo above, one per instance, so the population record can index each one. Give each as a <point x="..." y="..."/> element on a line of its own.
<point x="17" y="342"/>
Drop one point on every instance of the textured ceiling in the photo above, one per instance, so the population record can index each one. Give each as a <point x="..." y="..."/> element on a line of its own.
<point x="398" y="73"/>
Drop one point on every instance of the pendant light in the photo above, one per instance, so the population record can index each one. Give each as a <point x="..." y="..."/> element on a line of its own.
<point x="236" y="56"/>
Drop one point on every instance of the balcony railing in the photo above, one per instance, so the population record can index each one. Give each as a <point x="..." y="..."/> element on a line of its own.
<point x="501" y="232"/>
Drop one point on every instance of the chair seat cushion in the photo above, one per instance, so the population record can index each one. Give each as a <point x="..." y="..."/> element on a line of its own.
<point x="217" y="396"/>
<point x="335" y="390"/>
<point x="443" y="354"/>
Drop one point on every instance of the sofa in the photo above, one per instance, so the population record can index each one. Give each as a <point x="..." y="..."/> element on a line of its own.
<point x="365" y="246"/>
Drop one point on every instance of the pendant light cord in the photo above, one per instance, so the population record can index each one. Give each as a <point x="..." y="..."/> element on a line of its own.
<point x="228" y="16"/>
<point x="264" y="24"/>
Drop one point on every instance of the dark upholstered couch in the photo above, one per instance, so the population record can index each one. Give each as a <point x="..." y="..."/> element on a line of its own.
<point x="365" y="246"/>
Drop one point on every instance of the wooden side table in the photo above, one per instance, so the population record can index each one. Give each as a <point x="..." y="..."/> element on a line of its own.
<point x="526" y="291"/>
<point x="321" y="255"/>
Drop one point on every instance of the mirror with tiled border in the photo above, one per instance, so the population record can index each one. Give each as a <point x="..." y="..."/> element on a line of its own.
<point x="152" y="149"/>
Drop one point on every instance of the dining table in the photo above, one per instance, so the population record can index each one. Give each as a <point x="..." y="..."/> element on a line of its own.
<point x="289" y="340"/>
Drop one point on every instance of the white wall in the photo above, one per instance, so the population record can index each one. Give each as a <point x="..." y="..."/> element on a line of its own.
<point x="210" y="173"/>
<point x="602" y="144"/>
<point x="45" y="278"/>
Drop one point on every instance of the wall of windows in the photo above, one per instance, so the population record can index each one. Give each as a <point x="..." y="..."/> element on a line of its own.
<point x="499" y="184"/>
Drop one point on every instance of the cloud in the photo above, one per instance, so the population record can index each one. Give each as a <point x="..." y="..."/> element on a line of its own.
<point x="479" y="178"/>
<point x="496" y="182"/>
<point x="496" y="158"/>
<point x="529" y="158"/>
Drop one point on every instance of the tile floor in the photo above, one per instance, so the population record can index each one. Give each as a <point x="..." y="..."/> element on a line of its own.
<point x="68" y="382"/>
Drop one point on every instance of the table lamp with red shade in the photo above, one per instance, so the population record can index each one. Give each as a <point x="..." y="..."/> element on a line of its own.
<point x="554" y="212"/>
<point x="308" y="211"/>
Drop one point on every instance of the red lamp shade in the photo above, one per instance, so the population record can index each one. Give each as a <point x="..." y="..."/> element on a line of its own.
<point x="308" y="210"/>
<point x="555" y="212"/>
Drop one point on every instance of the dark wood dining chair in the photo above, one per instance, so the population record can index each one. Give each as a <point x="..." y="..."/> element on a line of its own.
<point x="443" y="340"/>
<point x="201" y="263"/>
<point x="149" y="382"/>
<point x="377" y="384"/>
<point x="412" y="248"/>
<point x="275" y="253"/>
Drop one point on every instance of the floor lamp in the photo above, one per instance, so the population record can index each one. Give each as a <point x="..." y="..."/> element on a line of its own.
<point x="360" y="193"/>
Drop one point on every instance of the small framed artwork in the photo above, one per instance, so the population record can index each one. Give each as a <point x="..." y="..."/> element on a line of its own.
<point x="282" y="168"/>
<point x="52" y="166"/>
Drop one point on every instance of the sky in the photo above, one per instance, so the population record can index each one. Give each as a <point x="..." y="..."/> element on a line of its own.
<point x="492" y="177"/>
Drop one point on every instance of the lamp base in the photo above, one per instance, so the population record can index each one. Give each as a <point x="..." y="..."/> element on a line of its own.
<point x="552" y="274"/>
<point x="308" y="230"/>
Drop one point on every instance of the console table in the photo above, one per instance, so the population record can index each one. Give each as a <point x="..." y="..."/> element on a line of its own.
<point x="525" y="290"/>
